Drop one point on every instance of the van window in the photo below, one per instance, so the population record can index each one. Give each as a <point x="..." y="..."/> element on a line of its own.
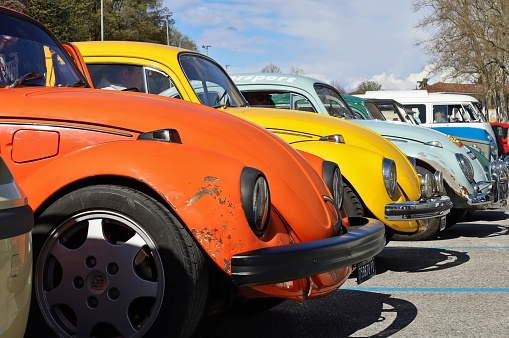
<point x="452" y="113"/>
<point x="420" y="109"/>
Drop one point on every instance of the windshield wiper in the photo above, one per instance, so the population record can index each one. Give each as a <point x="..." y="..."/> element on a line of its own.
<point x="219" y="99"/>
<point x="76" y="84"/>
<point x="25" y="78"/>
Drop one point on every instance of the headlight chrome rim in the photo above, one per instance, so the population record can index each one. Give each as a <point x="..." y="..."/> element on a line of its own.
<point x="465" y="166"/>
<point x="390" y="176"/>
<point x="255" y="195"/>
<point x="438" y="183"/>
<point x="427" y="186"/>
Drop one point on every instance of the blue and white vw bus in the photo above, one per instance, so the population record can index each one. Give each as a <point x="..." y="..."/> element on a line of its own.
<point x="457" y="115"/>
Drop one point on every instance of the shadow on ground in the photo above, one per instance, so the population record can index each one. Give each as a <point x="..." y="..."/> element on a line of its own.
<point x="478" y="224"/>
<point x="418" y="259"/>
<point x="338" y="315"/>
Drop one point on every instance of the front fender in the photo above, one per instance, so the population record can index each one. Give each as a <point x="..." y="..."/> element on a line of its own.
<point x="201" y="187"/>
<point x="444" y="160"/>
<point x="365" y="175"/>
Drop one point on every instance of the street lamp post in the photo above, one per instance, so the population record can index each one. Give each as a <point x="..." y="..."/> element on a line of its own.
<point x="206" y="48"/>
<point x="226" y="67"/>
<point x="168" y="27"/>
<point x="102" y="20"/>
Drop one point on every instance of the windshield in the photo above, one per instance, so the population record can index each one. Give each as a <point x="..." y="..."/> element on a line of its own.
<point x="30" y="57"/>
<point x="210" y="83"/>
<point x="333" y="102"/>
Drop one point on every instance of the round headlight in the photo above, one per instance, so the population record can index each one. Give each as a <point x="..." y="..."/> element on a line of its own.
<point x="332" y="177"/>
<point x="255" y="199"/>
<point x="465" y="166"/>
<point x="389" y="176"/>
<point x="426" y="186"/>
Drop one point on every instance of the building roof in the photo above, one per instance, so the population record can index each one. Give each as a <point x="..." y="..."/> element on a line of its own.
<point x="459" y="88"/>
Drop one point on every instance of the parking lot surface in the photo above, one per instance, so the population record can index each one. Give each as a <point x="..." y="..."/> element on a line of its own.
<point x="456" y="285"/>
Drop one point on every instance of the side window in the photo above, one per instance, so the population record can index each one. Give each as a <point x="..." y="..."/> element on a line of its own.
<point x="389" y="112"/>
<point x="456" y="113"/>
<point x="158" y="82"/>
<point x="117" y="77"/>
<point x="439" y="113"/>
<point x="281" y="100"/>
<point x="301" y="103"/>
<point x="420" y="109"/>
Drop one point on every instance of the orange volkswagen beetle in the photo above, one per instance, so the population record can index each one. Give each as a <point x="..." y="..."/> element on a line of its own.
<point x="147" y="209"/>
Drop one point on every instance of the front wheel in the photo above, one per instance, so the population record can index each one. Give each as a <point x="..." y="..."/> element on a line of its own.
<point x="114" y="262"/>
<point x="432" y="225"/>
<point x="351" y="202"/>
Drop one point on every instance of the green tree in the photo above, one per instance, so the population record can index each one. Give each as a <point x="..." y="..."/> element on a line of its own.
<point x="17" y="5"/>
<point x="364" y="86"/>
<point x="136" y="20"/>
<point x="423" y="83"/>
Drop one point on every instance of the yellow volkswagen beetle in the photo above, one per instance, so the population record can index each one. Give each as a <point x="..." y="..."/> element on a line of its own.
<point x="380" y="180"/>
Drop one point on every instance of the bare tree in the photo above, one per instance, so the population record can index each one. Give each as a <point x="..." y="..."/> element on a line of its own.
<point x="271" y="68"/>
<point x="297" y="71"/>
<point x="336" y="85"/>
<point x="468" y="40"/>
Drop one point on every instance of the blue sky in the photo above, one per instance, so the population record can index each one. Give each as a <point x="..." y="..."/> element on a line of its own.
<point x="347" y="41"/>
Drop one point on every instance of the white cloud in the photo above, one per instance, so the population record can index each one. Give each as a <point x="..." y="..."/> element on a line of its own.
<point x="347" y="41"/>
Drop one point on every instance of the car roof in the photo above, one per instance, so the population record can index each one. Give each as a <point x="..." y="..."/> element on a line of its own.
<point x="419" y="95"/>
<point x="275" y="79"/>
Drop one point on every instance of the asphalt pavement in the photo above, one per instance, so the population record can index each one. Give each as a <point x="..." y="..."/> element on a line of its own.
<point x="456" y="285"/>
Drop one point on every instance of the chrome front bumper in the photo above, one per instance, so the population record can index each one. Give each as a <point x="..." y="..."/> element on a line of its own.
<point x="426" y="207"/>
<point x="494" y="193"/>
<point x="414" y="210"/>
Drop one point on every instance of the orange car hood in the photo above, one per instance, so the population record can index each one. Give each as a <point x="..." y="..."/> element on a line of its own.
<point x="294" y="184"/>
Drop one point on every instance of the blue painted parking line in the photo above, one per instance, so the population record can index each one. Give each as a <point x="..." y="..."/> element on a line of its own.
<point x="473" y="247"/>
<point x="453" y="247"/>
<point x="429" y="290"/>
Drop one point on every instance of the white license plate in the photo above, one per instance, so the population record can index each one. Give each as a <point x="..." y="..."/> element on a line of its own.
<point x="365" y="270"/>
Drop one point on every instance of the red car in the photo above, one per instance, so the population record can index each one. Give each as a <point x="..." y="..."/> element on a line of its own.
<point x="500" y="130"/>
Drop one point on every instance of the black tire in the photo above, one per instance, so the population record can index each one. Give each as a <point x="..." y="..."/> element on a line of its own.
<point x="432" y="229"/>
<point x="454" y="216"/>
<point x="120" y="252"/>
<point x="351" y="202"/>
<point x="433" y="224"/>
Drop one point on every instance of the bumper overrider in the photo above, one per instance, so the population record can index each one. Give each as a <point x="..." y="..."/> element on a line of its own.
<point x="415" y="210"/>
<point x="430" y="205"/>
<point x="495" y="192"/>
<point x="306" y="259"/>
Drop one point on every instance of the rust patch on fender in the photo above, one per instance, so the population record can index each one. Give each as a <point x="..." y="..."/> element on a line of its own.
<point x="463" y="191"/>
<point x="209" y="189"/>
<point x="207" y="235"/>
<point x="227" y="266"/>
